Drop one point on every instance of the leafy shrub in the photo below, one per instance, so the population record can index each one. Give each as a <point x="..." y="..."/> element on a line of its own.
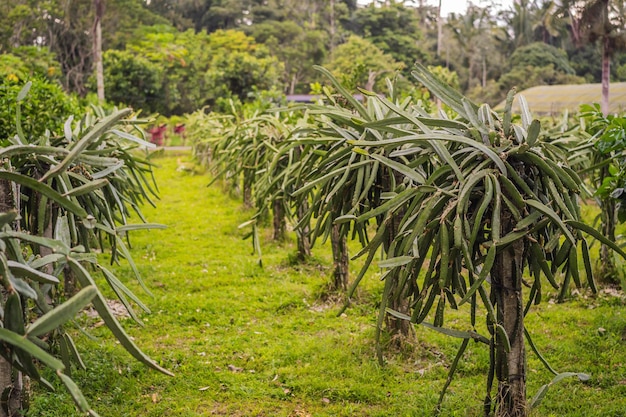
<point x="539" y="54"/>
<point x="26" y="62"/>
<point x="133" y="80"/>
<point x="46" y="110"/>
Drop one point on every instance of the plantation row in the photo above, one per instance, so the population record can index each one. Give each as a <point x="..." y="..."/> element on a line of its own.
<point x="454" y="208"/>
<point x="63" y="199"/>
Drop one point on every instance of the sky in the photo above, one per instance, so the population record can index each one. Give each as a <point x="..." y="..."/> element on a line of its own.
<point x="459" y="6"/>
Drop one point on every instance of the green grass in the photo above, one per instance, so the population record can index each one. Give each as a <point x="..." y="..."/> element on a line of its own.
<point x="249" y="341"/>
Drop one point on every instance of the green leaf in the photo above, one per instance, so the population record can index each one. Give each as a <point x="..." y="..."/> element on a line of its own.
<point x="133" y="138"/>
<point x="539" y="355"/>
<point x="346" y="218"/>
<point x="544" y="389"/>
<point x="24" y="91"/>
<point x="458" y="333"/>
<point x="448" y="95"/>
<point x="345" y="93"/>
<point x="506" y="123"/>
<point x="111" y="322"/>
<point x="55" y="245"/>
<point x="121" y="290"/>
<point x="533" y="132"/>
<point x="76" y="394"/>
<point x="139" y="226"/>
<point x="62" y="313"/>
<point x="486" y="269"/>
<point x="7" y="218"/>
<point x="395" y="262"/>
<point x="94" y="134"/>
<point x="596" y="235"/>
<point x="436" y="136"/>
<point x="397" y="314"/>
<point x="389" y="205"/>
<point x="401" y="168"/>
<point x="44" y="189"/>
<point x="30" y="348"/>
<point x="87" y="188"/>
<point x="525" y="111"/>
<point x="23" y="288"/>
<point x="26" y="271"/>
<point x="453" y="367"/>
<point x="554" y="217"/>
<point x="48" y="259"/>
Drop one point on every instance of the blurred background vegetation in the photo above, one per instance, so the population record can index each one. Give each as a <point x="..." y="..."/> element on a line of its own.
<point x="176" y="56"/>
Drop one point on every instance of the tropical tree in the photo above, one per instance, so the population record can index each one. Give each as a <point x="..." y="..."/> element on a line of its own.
<point x="297" y="49"/>
<point x="473" y="202"/>
<point x="342" y="185"/>
<point x="134" y="81"/>
<point x="98" y="7"/>
<point x="394" y="28"/>
<point x="599" y="21"/>
<point x="72" y="193"/>
<point x="182" y="59"/>
<point x="28" y="62"/>
<point x="598" y="155"/>
<point x="360" y="63"/>
<point x="239" y="67"/>
<point x="474" y="31"/>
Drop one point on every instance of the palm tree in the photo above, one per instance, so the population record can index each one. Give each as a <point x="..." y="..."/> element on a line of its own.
<point x="98" y="6"/>
<point x="549" y="27"/>
<point x="473" y="31"/>
<point x="601" y="21"/>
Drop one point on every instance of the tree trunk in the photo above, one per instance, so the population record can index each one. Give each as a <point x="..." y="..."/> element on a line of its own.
<point x="484" y="68"/>
<point x="280" y="225"/>
<point x="439" y="30"/>
<point x="607" y="271"/>
<point x="398" y="300"/>
<point x="97" y="48"/>
<point x="506" y="287"/>
<point x="606" y="76"/>
<point x="332" y="25"/>
<point x="248" y="177"/>
<point x="303" y="233"/>
<point x="8" y="387"/>
<point x="340" y="259"/>
<point x="371" y="80"/>
<point x="292" y="84"/>
<point x="399" y="329"/>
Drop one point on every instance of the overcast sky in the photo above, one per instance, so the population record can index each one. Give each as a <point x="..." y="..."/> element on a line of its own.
<point x="459" y="6"/>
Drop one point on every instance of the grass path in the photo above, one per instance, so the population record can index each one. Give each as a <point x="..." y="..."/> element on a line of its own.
<point x="249" y="341"/>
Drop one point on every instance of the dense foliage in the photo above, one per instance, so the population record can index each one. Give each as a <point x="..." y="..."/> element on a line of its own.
<point x="462" y="208"/>
<point x="490" y="49"/>
<point x="62" y="198"/>
<point x="47" y="109"/>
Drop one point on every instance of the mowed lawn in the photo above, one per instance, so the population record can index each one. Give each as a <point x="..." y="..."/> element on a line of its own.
<point x="246" y="340"/>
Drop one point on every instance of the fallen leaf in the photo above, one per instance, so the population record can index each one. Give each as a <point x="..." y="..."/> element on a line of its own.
<point x="233" y="368"/>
